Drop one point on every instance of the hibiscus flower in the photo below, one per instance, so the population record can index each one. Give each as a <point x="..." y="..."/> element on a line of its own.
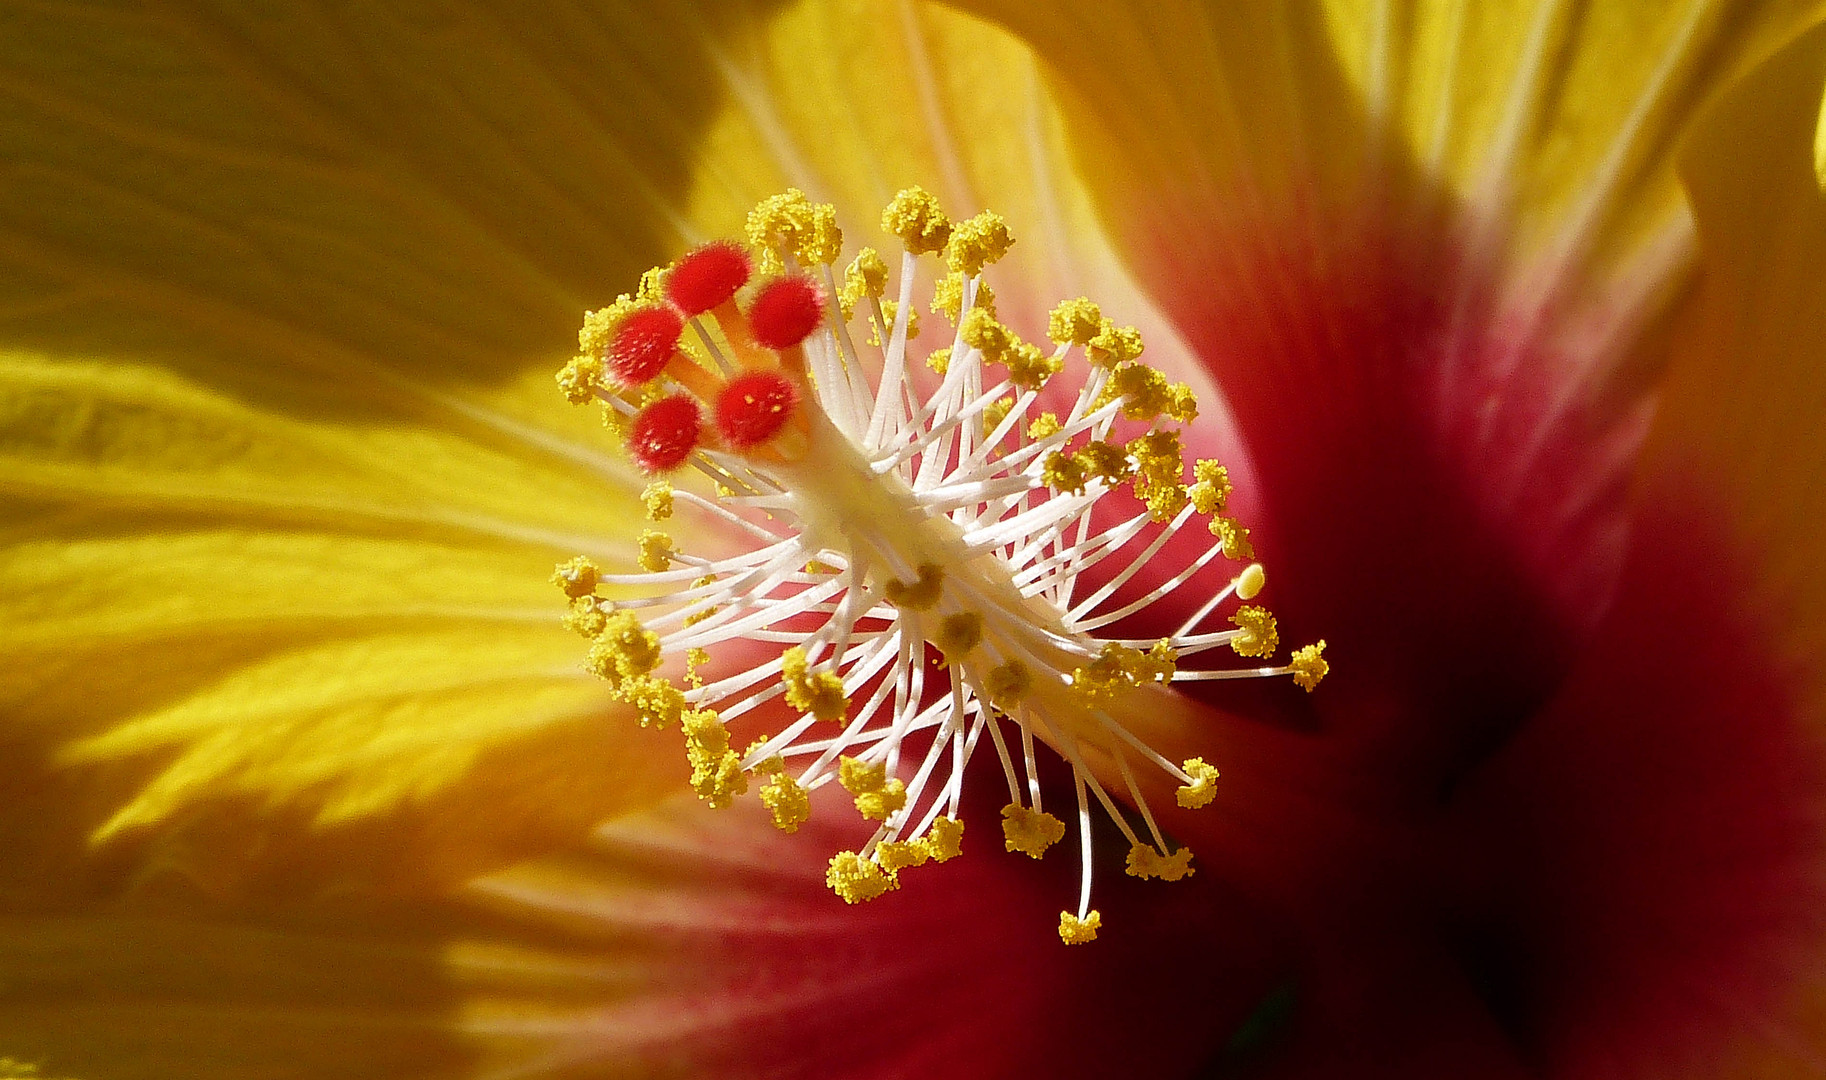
<point x="1506" y="319"/>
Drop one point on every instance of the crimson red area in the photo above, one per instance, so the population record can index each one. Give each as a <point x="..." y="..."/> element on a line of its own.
<point x="644" y="341"/>
<point x="753" y="408"/>
<point x="786" y="312"/>
<point x="708" y="277"/>
<point x="665" y="433"/>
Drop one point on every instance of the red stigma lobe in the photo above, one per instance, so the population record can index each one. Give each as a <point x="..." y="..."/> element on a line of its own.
<point x="754" y="407"/>
<point x="785" y="313"/>
<point x="665" y="433"/>
<point x="644" y="342"/>
<point x="708" y="277"/>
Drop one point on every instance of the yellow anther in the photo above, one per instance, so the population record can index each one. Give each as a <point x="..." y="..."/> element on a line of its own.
<point x="716" y="771"/>
<point x="1145" y="862"/>
<point x="948" y="297"/>
<point x="817" y="692"/>
<point x="920" y="593"/>
<point x="1258" y="635"/>
<point x="1111" y="670"/>
<point x="1249" y="583"/>
<point x="946" y="839"/>
<point x="659" y="703"/>
<point x="1159" y="663"/>
<point x="693" y="620"/>
<point x="957" y="634"/>
<point x="1113" y="345"/>
<point x="1044" y="427"/>
<point x="878" y="796"/>
<point x="599" y="326"/>
<point x="940" y="360"/>
<point x="866" y="276"/>
<point x="1211" y="492"/>
<point x="1029" y="366"/>
<point x="787" y="801"/>
<point x="1007" y="683"/>
<point x="657" y="498"/>
<point x="1076" y="931"/>
<point x="1308" y="665"/>
<point x="1158" y="469"/>
<point x="888" y="310"/>
<point x="898" y="855"/>
<point x="996" y="412"/>
<point x="580" y="379"/>
<point x="585" y="617"/>
<point x="623" y="650"/>
<point x="1182" y="404"/>
<point x="1203" y="787"/>
<point x="1234" y="537"/>
<point x="772" y="765"/>
<point x="1064" y="472"/>
<point x="1029" y="832"/>
<point x="577" y="577"/>
<point x="655" y="551"/>
<point x="857" y="879"/>
<point x="1106" y="460"/>
<point x="695" y="658"/>
<point x="1145" y="392"/>
<point x="978" y="242"/>
<point x="914" y="216"/>
<point x="981" y="331"/>
<point x="652" y="287"/>
<point x="792" y="224"/>
<point x="1076" y="321"/>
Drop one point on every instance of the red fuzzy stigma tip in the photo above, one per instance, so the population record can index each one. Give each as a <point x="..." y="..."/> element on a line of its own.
<point x="708" y="277"/>
<point x="642" y="345"/>
<point x="753" y="408"/>
<point x="665" y="433"/>
<point x="785" y="313"/>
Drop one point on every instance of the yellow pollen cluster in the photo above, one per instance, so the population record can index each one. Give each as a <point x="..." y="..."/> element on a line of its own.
<point x="817" y="692"/>
<point x="585" y="617"/>
<point x="1145" y="862"/>
<point x="624" y="649"/>
<point x="1233" y="536"/>
<point x="1308" y="666"/>
<point x="1159" y="466"/>
<point x="996" y="412"/>
<point x="877" y="795"/>
<point x="716" y="770"/>
<point x="948" y="297"/>
<point x="1076" y="931"/>
<point x="1203" y="786"/>
<point x="655" y="551"/>
<point x="940" y="360"/>
<point x="915" y="218"/>
<point x="866" y="276"/>
<point x="889" y="310"/>
<point x="857" y="879"/>
<point x="1077" y="322"/>
<point x="1113" y="345"/>
<point x="1007" y="683"/>
<point x="1257" y="636"/>
<point x="1118" y="667"/>
<point x="976" y="243"/>
<point x="577" y="577"/>
<point x="789" y="803"/>
<point x="657" y="498"/>
<point x="1029" y="832"/>
<point x="792" y="224"/>
<point x="1210" y="492"/>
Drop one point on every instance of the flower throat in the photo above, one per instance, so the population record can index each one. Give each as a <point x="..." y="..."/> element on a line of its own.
<point x="926" y="555"/>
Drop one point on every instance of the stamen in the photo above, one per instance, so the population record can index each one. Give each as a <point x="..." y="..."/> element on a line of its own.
<point x="894" y="538"/>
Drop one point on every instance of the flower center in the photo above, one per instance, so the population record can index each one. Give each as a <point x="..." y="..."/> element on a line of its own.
<point x="929" y="557"/>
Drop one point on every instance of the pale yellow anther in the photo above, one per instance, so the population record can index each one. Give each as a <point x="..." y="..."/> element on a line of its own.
<point x="787" y="801"/>
<point x="1029" y="832"/>
<point x="982" y="332"/>
<point x="792" y="224"/>
<point x="584" y="617"/>
<point x="580" y="379"/>
<point x="889" y="308"/>
<point x="957" y="634"/>
<point x="1029" y="366"/>
<point x="659" y="703"/>
<point x="1203" y="786"/>
<point x="655" y="551"/>
<point x="716" y="770"/>
<point x="915" y="217"/>
<point x="857" y="879"/>
<point x="623" y="650"/>
<point x="817" y="692"/>
<point x="1211" y="492"/>
<point x="946" y="839"/>
<point x="940" y="360"/>
<point x="1258" y="635"/>
<point x="878" y="796"/>
<point x="866" y="276"/>
<point x="1007" y="683"/>
<point x="657" y="498"/>
<point x="1076" y="321"/>
<point x="577" y="577"/>
<point x="1308" y="666"/>
<point x="919" y="594"/>
<point x="1249" y="583"/>
<point x="948" y="297"/>
<point x="1045" y="426"/>
<point x="1076" y="931"/>
<point x="1233" y="536"/>
<point x="898" y="855"/>
<point x="1113" y="345"/>
<point x="996" y="412"/>
<point x="978" y="242"/>
<point x="1145" y="862"/>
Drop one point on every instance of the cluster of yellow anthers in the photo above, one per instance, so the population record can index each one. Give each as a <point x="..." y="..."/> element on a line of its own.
<point x="918" y="563"/>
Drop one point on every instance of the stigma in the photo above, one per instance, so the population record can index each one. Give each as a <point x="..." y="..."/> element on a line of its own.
<point x="933" y="549"/>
